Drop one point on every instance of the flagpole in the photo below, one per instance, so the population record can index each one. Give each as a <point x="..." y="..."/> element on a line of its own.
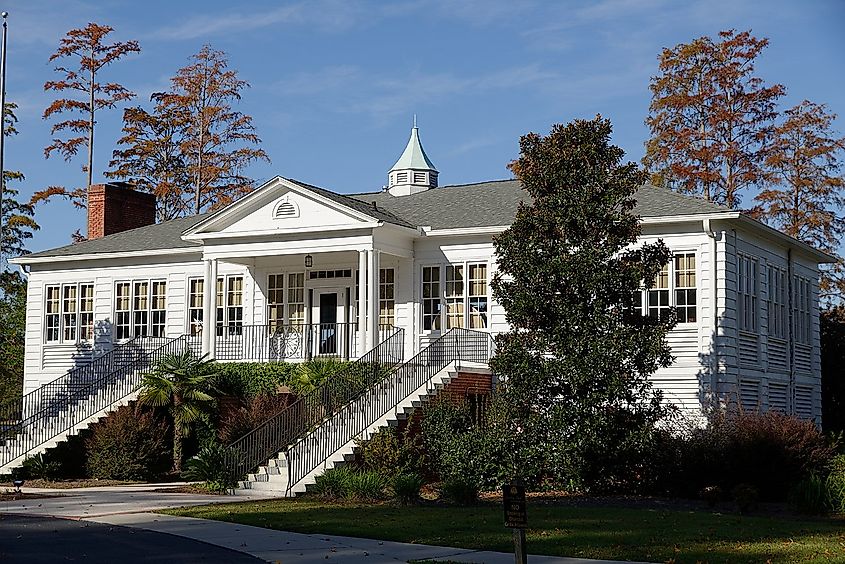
<point x="2" y="126"/>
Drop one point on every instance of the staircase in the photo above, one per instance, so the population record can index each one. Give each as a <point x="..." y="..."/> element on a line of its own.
<point x="318" y="431"/>
<point x="47" y="416"/>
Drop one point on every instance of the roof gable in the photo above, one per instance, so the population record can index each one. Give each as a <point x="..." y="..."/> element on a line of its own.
<point x="281" y="206"/>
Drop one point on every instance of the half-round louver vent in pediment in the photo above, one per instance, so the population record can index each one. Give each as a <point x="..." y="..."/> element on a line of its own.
<point x="285" y="209"/>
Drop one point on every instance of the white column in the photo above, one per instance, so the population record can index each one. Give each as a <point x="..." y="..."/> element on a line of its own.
<point x="210" y="322"/>
<point x="372" y="297"/>
<point x="207" y="300"/>
<point x="362" y="302"/>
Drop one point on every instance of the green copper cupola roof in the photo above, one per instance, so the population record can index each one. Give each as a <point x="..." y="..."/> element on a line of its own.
<point x="413" y="172"/>
<point x="414" y="157"/>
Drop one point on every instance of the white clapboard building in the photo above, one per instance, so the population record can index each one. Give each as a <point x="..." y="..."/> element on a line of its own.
<point x="292" y="271"/>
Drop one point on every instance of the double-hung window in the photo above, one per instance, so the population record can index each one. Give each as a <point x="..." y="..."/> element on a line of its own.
<point x="229" y="304"/>
<point x="477" y="296"/>
<point x="296" y="298"/>
<point x="386" y="297"/>
<point x="776" y="313"/>
<point x="454" y="296"/>
<point x="276" y="300"/>
<point x="675" y="286"/>
<point x="747" y="292"/>
<point x="69" y="313"/>
<point x="140" y="309"/>
<point x="196" y="287"/>
<point x="802" y="310"/>
<point x="431" y="298"/>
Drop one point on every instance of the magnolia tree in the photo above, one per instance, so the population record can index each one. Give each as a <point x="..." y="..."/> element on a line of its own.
<point x="575" y="398"/>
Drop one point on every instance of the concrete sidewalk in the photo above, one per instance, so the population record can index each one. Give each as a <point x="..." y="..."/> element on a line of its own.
<point x="132" y="506"/>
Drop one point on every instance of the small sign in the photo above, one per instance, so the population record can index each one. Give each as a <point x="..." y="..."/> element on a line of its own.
<point x="514" y="499"/>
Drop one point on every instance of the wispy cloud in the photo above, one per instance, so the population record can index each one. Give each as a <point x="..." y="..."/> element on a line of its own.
<point x="385" y="97"/>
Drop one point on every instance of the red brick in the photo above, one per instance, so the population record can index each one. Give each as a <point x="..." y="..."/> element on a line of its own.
<point x="116" y="207"/>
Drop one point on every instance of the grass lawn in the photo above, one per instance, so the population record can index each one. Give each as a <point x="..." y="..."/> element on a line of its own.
<point x="622" y="533"/>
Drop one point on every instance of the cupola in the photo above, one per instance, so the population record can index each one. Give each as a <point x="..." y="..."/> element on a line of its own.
<point x="413" y="172"/>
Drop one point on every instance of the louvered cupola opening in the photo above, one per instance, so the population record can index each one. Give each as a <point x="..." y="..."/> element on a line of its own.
<point x="413" y="172"/>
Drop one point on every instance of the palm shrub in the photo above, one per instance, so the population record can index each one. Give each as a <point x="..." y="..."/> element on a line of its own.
<point x="210" y="466"/>
<point x="177" y="383"/>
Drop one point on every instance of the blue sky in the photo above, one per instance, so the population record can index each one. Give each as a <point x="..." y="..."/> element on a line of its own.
<point x="335" y="83"/>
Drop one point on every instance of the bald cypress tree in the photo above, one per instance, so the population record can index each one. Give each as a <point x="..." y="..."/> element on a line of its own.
<point x="576" y="361"/>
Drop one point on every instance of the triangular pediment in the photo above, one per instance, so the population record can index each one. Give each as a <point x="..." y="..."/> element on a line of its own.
<point x="279" y="206"/>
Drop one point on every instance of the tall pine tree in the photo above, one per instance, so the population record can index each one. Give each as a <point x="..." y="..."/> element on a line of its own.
<point x="576" y="361"/>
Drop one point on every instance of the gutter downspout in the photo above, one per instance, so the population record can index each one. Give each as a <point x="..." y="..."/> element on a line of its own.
<point x="790" y="305"/>
<point x="714" y="353"/>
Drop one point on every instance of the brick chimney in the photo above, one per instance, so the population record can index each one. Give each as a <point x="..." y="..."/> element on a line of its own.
<point x="116" y="207"/>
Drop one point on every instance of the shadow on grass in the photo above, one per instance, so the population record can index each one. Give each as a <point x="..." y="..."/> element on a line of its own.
<point x="590" y="532"/>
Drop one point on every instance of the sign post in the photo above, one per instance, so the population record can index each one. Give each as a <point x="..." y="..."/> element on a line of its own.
<point x="513" y="496"/>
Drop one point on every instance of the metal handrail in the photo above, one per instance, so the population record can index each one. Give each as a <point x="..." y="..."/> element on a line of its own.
<point x="311" y="408"/>
<point x="57" y="407"/>
<point x="313" y="427"/>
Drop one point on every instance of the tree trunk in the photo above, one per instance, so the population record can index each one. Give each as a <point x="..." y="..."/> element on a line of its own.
<point x="91" y="124"/>
<point x="177" y="448"/>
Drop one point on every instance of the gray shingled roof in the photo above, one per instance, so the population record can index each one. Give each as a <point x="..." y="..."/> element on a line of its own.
<point x="356" y="204"/>
<point x="467" y="205"/>
<point x="165" y="236"/>
<point x="494" y="204"/>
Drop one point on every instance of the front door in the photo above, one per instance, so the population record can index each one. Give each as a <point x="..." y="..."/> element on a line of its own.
<point x="328" y="312"/>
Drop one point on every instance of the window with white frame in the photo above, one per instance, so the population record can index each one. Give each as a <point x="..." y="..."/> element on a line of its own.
<point x="296" y="297"/>
<point x="230" y="304"/>
<point x="465" y="296"/>
<point x="454" y="296"/>
<point x="674" y="286"/>
<point x="686" y="302"/>
<point x="657" y="295"/>
<point x="431" y="298"/>
<point x="196" y="302"/>
<point x="386" y="297"/>
<point x="802" y="310"/>
<point x="776" y="314"/>
<point x="140" y="309"/>
<point x="747" y="292"/>
<point x="158" y="308"/>
<point x="276" y="300"/>
<point x="477" y="296"/>
<point x="69" y="313"/>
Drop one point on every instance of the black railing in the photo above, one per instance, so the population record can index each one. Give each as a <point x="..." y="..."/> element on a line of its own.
<point x="289" y="342"/>
<point x="60" y="405"/>
<point x="384" y="396"/>
<point x="310" y="409"/>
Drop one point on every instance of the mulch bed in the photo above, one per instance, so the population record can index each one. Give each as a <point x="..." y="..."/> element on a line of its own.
<point x="70" y="484"/>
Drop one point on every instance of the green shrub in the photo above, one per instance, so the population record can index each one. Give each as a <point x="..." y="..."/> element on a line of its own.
<point x="130" y="444"/>
<point x="309" y="375"/>
<point x="210" y="466"/>
<point x="746" y="497"/>
<point x="41" y="467"/>
<point x="459" y="490"/>
<point x="249" y="379"/>
<point x="406" y="487"/>
<point x="366" y="485"/>
<point x="389" y="453"/>
<point x="333" y="483"/>
<point x="810" y="495"/>
<point x="835" y="484"/>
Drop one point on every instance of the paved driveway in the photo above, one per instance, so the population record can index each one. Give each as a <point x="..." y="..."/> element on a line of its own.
<point x="46" y="540"/>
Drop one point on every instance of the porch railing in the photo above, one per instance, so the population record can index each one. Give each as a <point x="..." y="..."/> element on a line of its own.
<point x="310" y="409"/>
<point x="289" y="341"/>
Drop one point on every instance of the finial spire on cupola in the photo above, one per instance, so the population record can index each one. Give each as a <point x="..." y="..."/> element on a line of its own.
<point x="413" y="172"/>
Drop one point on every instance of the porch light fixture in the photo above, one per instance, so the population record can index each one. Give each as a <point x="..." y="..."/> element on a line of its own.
<point x="309" y="261"/>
